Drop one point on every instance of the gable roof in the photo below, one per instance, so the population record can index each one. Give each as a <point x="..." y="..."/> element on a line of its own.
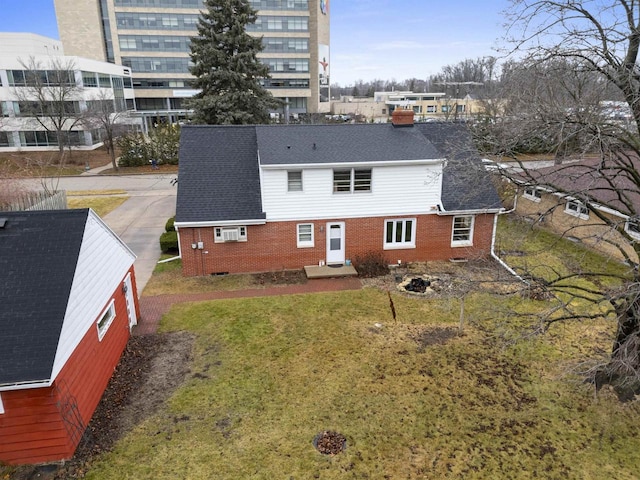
<point x="38" y="257"/>
<point x="219" y="174"/>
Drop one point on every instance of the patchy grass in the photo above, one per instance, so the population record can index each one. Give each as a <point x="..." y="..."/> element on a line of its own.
<point x="100" y="204"/>
<point x="413" y="400"/>
<point x="45" y="163"/>
<point x="81" y="193"/>
<point x="146" y="169"/>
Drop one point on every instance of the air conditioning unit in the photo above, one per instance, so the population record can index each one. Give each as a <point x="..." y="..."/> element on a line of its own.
<point x="230" y="235"/>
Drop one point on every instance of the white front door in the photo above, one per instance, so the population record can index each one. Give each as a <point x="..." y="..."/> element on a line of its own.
<point x="335" y="242"/>
<point x="131" y="305"/>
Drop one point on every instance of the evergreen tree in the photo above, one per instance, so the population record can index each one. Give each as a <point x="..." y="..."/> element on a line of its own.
<point x="226" y="67"/>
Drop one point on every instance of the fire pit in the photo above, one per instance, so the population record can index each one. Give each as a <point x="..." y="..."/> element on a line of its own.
<point x="421" y="284"/>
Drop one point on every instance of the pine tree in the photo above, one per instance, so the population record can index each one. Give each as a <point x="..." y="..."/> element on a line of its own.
<point x="226" y="67"/>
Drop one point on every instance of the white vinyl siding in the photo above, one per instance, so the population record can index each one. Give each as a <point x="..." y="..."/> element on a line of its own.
<point x="304" y="232"/>
<point x="462" y="231"/>
<point x="396" y="191"/>
<point x="103" y="263"/>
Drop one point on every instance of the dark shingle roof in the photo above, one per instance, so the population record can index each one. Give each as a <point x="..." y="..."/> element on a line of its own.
<point x="294" y="144"/>
<point x="219" y="178"/>
<point x="38" y="256"/>
<point x="466" y="185"/>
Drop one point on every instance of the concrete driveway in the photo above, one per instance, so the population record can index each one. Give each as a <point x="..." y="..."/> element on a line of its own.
<point x="140" y="220"/>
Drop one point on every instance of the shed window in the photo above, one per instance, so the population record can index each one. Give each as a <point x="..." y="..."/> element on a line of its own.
<point x="106" y="319"/>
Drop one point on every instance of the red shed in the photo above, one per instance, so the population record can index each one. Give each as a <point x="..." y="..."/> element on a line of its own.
<point x="67" y="304"/>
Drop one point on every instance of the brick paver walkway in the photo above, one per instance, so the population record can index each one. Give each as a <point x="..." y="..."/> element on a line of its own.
<point x="152" y="308"/>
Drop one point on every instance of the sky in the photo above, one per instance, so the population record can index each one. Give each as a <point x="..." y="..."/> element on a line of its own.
<point x="370" y="39"/>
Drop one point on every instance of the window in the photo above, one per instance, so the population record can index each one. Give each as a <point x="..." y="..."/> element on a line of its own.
<point x="89" y="79"/>
<point x="305" y="235"/>
<point x="432" y="109"/>
<point x="532" y="193"/>
<point x="632" y="227"/>
<point x="577" y="209"/>
<point x="400" y="233"/>
<point x="445" y="108"/>
<point x="460" y="108"/>
<point x="294" y="181"/>
<point x="1" y="405"/>
<point x="351" y="180"/>
<point x="106" y="319"/>
<point x="230" y="234"/>
<point x="462" y="233"/>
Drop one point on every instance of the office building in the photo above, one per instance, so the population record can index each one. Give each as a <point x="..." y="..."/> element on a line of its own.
<point x="152" y="37"/>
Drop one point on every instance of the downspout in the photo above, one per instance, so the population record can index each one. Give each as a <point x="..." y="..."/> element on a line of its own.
<point x="493" y="242"/>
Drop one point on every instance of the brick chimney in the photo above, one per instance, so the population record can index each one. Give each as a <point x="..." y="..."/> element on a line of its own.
<point x="402" y="118"/>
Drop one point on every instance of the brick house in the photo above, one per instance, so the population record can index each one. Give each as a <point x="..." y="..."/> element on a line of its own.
<point x="68" y="299"/>
<point x="260" y="198"/>
<point x="590" y="201"/>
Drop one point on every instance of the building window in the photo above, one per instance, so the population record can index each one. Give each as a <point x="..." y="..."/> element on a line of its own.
<point x="230" y="234"/>
<point x="1" y="405"/>
<point x="400" y="233"/>
<point x="632" y="227"/>
<point x="432" y="109"/>
<point x="445" y="108"/>
<point x="106" y="319"/>
<point x="305" y="235"/>
<point x="352" y="180"/>
<point x="577" y="209"/>
<point x="460" y="108"/>
<point x="294" y="181"/>
<point x="89" y="79"/>
<point x="462" y="234"/>
<point x="532" y="193"/>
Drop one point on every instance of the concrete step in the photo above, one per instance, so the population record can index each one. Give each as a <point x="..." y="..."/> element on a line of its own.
<point x="327" y="271"/>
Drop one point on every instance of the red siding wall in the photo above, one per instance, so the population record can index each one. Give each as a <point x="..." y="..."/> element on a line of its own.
<point x="32" y="429"/>
<point x="273" y="246"/>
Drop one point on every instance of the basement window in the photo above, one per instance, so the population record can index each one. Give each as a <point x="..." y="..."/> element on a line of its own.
<point x="577" y="209"/>
<point x="532" y="193"/>
<point x="106" y="319"/>
<point x="633" y="228"/>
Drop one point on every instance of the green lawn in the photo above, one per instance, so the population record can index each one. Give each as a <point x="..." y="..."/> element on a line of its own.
<point x="270" y="373"/>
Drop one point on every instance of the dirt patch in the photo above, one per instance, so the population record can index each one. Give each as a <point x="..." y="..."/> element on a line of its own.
<point x="151" y="368"/>
<point x="30" y="164"/>
<point x="426" y="337"/>
<point x="283" y="277"/>
<point x="330" y="443"/>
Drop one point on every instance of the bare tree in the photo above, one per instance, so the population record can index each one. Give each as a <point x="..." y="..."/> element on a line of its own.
<point x="50" y="96"/>
<point x="601" y="42"/>
<point x="108" y="114"/>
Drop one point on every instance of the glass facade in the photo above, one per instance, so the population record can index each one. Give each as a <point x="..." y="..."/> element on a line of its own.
<point x="157" y="64"/>
<point x="287" y="64"/>
<point x="285" y="45"/>
<point x="279" y="24"/>
<point x="280" y="4"/>
<point x="156" y="21"/>
<point x="154" y="43"/>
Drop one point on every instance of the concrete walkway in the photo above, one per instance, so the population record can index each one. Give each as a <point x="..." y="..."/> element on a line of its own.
<point x="153" y="308"/>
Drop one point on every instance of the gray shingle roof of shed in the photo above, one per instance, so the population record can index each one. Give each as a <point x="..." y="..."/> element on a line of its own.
<point x="38" y="257"/>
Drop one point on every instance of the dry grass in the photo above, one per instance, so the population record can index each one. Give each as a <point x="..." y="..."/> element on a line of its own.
<point x="413" y="399"/>
<point x="100" y="204"/>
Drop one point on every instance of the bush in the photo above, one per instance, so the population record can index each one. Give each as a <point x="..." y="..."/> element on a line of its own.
<point x="169" y="225"/>
<point x="371" y="264"/>
<point x="134" y="150"/>
<point x="169" y="242"/>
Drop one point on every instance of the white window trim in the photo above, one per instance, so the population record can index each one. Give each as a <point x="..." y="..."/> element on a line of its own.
<point x="1" y="405"/>
<point x="633" y="234"/>
<point x="577" y="212"/>
<point x="218" y="238"/>
<point x="399" y="245"/>
<point x="532" y="196"/>
<point x="352" y="181"/>
<point x="463" y="243"/>
<point x="103" y="330"/>
<point x="305" y="243"/>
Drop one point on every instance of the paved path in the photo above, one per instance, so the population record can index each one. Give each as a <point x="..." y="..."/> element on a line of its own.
<point x="153" y="308"/>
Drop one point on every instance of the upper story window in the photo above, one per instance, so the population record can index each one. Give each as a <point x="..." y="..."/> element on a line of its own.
<point x="89" y="79"/>
<point x="351" y="180"/>
<point x="279" y="4"/>
<point x="294" y="181"/>
<point x="462" y="231"/>
<point x="532" y="193"/>
<point x="265" y="23"/>
<point x="577" y="209"/>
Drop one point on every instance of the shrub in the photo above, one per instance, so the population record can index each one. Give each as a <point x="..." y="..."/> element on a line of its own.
<point x="169" y="225"/>
<point x="134" y="150"/>
<point x="169" y="242"/>
<point x="371" y="264"/>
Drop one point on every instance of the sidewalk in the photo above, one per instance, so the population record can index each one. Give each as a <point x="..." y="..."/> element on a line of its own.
<point x="153" y="308"/>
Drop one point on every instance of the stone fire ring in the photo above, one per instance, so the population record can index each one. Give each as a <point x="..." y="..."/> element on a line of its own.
<point x="330" y="443"/>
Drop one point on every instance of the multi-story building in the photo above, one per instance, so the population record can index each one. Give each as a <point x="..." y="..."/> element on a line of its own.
<point x="36" y="77"/>
<point x="152" y="37"/>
